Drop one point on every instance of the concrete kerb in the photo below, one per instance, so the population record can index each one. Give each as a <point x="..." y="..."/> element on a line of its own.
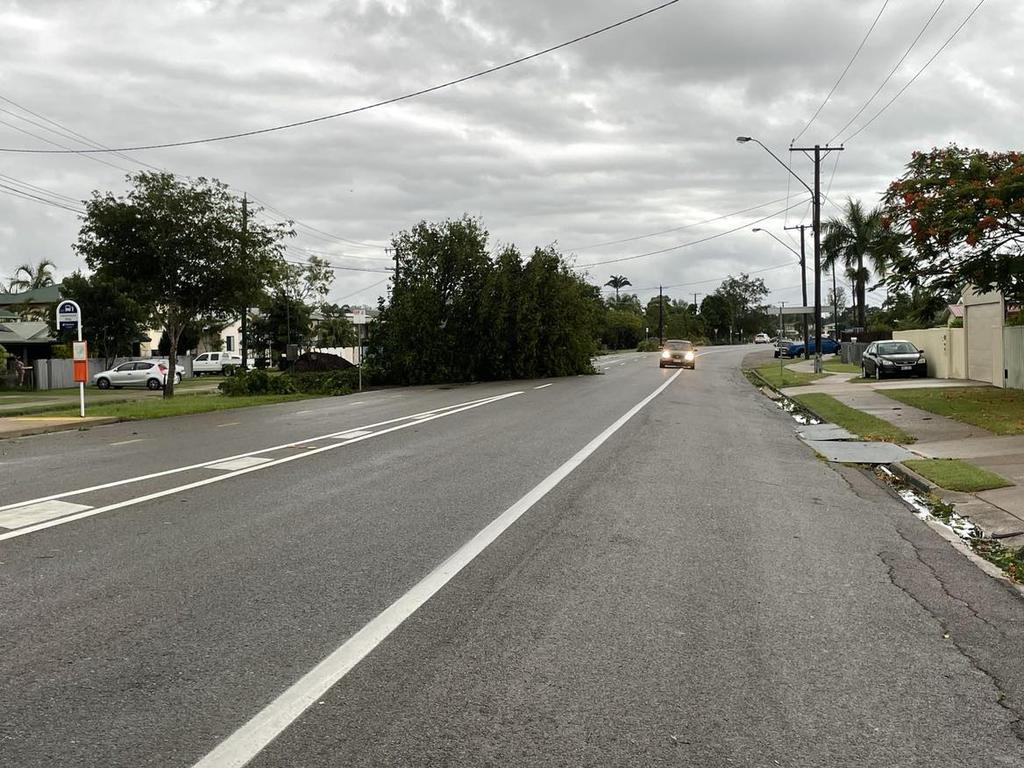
<point x="779" y="396"/>
<point x="9" y="431"/>
<point x="923" y="485"/>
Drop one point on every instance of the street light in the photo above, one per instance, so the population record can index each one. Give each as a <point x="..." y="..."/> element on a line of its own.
<point x="819" y="152"/>
<point x="803" y="278"/>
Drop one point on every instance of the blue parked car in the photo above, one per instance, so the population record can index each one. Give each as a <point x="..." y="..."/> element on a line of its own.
<point x="828" y="347"/>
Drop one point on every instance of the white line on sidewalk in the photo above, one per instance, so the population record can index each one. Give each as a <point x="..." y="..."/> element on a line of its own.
<point x="228" y="475"/>
<point x="249" y="740"/>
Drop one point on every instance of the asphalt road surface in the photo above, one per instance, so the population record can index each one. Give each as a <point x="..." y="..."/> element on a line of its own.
<point x="641" y="568"/>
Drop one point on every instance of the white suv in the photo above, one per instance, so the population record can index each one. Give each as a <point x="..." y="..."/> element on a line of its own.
<point x="215" y="362"/>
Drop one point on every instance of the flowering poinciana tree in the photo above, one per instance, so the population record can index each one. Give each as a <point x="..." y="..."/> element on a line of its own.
<point x="959" y="213"/>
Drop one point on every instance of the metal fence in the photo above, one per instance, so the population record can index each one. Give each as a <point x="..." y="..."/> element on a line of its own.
<point x="1013" y="357"/>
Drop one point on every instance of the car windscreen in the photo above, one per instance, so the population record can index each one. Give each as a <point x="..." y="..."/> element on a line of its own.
<point x="677" y="346"/>
<point x="897" y="348"/>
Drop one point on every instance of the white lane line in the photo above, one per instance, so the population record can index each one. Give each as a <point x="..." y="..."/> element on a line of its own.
<point x="300" y="413"/>
<point x="242" y="463"/>
<point x="129" y="442"/>
<point x="200" y="465"/>
<point x="249" y="740"/>
<point x="228" y="475"/>
<point x="230" y="424"/>
<point x="37" y="513"/>
<point x="544" y="386"/>
<point x="350" y="435"/>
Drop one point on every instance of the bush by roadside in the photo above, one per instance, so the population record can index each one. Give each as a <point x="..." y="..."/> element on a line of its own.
<point x="259" y="382"/>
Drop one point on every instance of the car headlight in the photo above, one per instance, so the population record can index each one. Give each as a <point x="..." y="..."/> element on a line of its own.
<point x="688" y="356"/>
<point x="922" y="359"/>
<point x="666" y="355"/>
<point x="887" y="362"/>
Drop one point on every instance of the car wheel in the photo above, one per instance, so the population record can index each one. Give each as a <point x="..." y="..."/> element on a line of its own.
<point x="153" y="384"/>
<point x="177" y="378"/>
<point x="103" y="383"/>
<point x="878" y="373"/>
<point x="863" y="371"/>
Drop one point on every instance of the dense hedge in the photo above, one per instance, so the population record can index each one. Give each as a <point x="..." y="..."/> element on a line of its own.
<point x="259" y="382"/>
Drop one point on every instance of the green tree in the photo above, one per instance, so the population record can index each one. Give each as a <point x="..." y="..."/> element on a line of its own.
<point x="849" y="239"/>
<point x="456" y="314"/>
<point x="336" y="330"/>
<point x="282" y="320"/>
<point x="28" y="277"/>
<point x="112" y="320"/>
<point x="617" y="282"/>
<point x="179" y="245"/>
<point x="737" y="306"/>
<point x="960" y="214"/>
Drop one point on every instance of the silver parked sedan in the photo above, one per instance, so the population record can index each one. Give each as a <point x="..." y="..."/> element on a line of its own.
<point x="151" y="374"/>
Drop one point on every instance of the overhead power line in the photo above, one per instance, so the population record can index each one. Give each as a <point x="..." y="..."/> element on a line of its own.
<point x="14" y="192"/>
<point x="365" y="107"/>
<point x="690" y="243"/>
<point x="918" y="73"/>
<point x="676" y="229"/>
<point x="846" y="69"/>
<point x="892" y="72"/>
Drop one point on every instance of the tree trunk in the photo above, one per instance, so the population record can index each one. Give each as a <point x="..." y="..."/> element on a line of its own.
<point x="862" y="316"/>
<point x="173" y="334"/>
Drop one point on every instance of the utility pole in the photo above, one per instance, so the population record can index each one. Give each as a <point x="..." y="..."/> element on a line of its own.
<point x="661" y="318"/>
<point x="695" y="295"/>
<point x="819" y="152"/>
<point x="243" y="342"/>
<point x="803" y="284"/>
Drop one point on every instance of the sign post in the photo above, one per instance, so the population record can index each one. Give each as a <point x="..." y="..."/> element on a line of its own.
<point x="69" y="316"/>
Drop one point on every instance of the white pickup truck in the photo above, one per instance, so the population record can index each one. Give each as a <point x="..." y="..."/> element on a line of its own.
<point x="215" y="363"/>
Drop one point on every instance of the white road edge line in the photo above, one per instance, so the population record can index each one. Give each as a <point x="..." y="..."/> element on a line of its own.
<point x="271" y="449"/>
<point x="544" y="386"/>
<point x="249" y="740"/>
<point x="234" y="473"/>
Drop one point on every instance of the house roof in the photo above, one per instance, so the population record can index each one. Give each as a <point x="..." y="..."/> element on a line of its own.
<point x="31" y="332"/>
<point x="46" y="295"/>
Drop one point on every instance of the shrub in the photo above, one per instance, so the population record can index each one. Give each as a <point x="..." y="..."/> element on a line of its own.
<point x="256" y="382"/>
<point x="648" y="345"/>
<point x="339" y="382"/>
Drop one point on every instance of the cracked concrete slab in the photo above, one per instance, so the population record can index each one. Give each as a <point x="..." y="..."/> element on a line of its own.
<point x="849" y="452"/>
<point x="824" y="432"/>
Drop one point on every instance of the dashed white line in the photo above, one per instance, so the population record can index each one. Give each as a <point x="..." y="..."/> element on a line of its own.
<point x="228" y="475"/>
<point x="249" y="740"/>
<point x="271" y="449"/>
<point x="129" y="442"/>
<point x="544" y="386"/>
<point x="230" y="424"/>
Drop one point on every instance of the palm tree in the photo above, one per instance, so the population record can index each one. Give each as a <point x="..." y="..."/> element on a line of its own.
<point x="617" y="282"/>
<point x="28" y="278"/>
<point x="848" y="240"/>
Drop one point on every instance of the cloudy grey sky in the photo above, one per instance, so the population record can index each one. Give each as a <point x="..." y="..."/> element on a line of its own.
<point x="607" y="141"/>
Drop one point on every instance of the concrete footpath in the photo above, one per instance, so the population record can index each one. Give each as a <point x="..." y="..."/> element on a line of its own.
<point x="1000" y="512"/>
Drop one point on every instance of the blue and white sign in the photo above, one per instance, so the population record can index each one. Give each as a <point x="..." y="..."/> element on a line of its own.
<point x="69" y="316"/>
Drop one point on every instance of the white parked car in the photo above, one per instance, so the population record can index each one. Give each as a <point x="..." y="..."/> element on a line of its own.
<point x="215" y="362"/>
<point x="151" y="374"/>
<point x="762" y="338"/>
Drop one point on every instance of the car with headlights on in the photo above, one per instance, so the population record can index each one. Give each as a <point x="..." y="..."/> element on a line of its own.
<point x="151" y="374"/>
<point x="893" y="358"/>
<point x="678" y="352"/>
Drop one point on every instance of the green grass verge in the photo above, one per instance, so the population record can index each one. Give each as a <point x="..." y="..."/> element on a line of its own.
<point x="785" y="378"/>
<point x="864" y="424"/>
<point x="998" y="410"/>
<point x="838" y="366"/>
<point x="957" y="475"/>
<point x="179" y="405"/>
